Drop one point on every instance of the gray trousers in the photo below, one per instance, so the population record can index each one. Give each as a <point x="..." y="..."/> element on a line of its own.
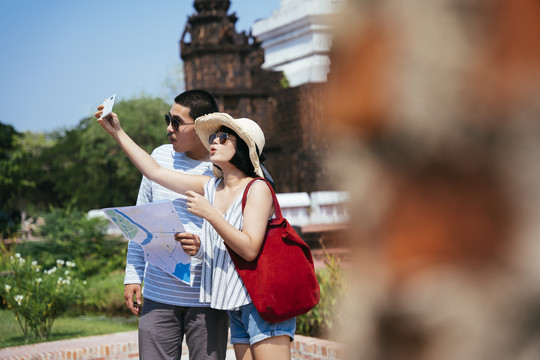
<point x="162" y="328"/>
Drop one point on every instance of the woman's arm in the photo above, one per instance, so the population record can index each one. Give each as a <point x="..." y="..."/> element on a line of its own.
<point x="248" y="241"/>
<point x="170" y="179"/>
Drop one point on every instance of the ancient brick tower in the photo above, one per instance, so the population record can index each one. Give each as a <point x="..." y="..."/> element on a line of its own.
<point x="228" y="64"/>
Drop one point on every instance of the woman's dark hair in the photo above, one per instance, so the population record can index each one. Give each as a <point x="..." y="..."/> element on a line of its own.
<point x="241" y="158"/>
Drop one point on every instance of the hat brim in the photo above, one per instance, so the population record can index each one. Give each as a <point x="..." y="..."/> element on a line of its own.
<point x="207" y="125"/>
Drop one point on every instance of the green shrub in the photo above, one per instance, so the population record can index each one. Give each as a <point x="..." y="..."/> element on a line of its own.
<point x="105" y="295"/>
<point x="70" y="234"/>
<point x="38" y="297"/>
<point x="325" y="318"/>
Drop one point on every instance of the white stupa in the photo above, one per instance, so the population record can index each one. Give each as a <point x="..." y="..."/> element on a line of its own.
<point x="297" y="38"/>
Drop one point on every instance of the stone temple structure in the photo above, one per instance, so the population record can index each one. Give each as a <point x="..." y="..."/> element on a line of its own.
<point x="226" y="63"/>
<point x="286" y="104"/>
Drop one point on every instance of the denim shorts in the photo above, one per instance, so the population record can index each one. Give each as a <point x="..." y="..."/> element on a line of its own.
<point x="247" y="326"/>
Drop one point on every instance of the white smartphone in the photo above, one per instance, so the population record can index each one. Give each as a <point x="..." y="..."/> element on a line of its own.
<point x="108" y="106"/>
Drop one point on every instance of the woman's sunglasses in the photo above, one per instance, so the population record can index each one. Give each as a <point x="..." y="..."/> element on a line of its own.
<point x="222" y="138"/>
<point x="175" y="122"/>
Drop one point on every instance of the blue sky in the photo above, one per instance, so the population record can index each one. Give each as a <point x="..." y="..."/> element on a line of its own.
<point x="60" y="58"/>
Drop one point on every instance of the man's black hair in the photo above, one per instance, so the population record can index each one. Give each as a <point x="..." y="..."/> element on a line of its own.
<point x="199" y="102"/>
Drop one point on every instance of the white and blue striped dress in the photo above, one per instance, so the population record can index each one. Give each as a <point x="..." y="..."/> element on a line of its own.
<point x="221" y="285"/>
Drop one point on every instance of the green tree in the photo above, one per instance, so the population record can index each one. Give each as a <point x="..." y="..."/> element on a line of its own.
<point x="7" y="139"/>
<point x="108" y="178"/>
<point x="81" y="168"/>
<point x="87" y="169"/>
<point x="7" y="132"/>
<point x="20" y="175"/>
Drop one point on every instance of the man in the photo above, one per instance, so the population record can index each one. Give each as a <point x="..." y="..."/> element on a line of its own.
<point x="171" y="308"/>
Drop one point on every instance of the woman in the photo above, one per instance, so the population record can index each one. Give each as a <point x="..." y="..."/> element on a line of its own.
<point x="235" y="146"/>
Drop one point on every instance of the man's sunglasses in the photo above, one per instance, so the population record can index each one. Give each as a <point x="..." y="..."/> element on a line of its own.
<point x="222" y="138"/>
<point x="175" y="122"/>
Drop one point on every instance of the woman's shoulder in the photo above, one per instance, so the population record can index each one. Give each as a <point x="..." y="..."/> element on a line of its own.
<point x="260" y="196"/>
<point x="260" y="183"/>
<point x="260" y="188"/>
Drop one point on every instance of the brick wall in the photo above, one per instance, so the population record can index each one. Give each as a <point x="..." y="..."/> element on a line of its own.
<point x="309" y="348"/>
<point x="296" y="148"/>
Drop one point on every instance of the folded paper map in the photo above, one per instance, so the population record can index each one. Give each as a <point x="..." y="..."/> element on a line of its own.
<point x="153" y="226"/>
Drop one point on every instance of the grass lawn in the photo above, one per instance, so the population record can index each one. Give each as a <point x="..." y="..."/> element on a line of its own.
<point x="64" y="327"/>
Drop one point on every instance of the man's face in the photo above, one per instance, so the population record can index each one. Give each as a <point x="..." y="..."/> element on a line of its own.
<point x="183" y="138"/>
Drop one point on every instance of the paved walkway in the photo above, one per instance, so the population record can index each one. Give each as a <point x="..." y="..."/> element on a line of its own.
<point x="118" y="346"/>
<point x="123" y="346"/>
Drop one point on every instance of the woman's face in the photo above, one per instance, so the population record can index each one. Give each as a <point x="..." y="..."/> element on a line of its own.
<point x="222" y="147"/>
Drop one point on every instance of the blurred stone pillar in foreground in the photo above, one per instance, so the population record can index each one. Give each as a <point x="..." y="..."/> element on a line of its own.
<point x="435" y="111"/>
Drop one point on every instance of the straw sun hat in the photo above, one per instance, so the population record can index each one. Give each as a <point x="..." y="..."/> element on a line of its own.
<point x="247" y="129"/>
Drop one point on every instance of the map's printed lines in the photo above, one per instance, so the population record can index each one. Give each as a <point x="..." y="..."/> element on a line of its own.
<point x="149" y="235"/>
